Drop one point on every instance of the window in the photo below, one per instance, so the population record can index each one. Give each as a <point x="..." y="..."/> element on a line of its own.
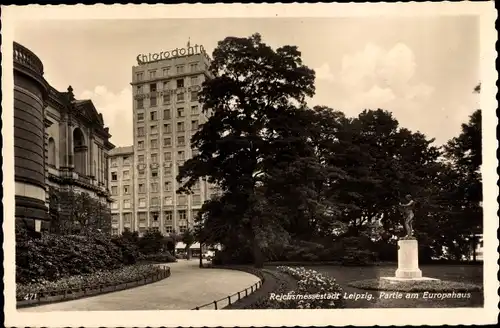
<point x="126" y="160"/>
<point x="154" y="143"/>
<point x="166" y="99"/>
<point x="168" y="216"/>
<point x="166" y="71"/>
<point x="180" y="155"/>
<point x="167" y="200"/>
<point x="152" y="74"/>
<point x="180" y="96"/>
<point x="167" y="128"/>
<point x="167" y="171"/>
<point x="167" y="142"/>
<point x="153" y="116"/>
<point x="140" y="144"/>
<point x="181" y="141"/>
<point x="154" y="174"/>
<point x="154" y="186"/>
<point x="154" y="201"/>
<point x="139" y="89"/>
<point x="142" y="188"/>
<point x="114" y="205"/>
<point x="195" y="152"/>
<point x="140" y="131"/>
<point x="181" y="199"/>
<point x="180" y="126"/>
<point x="141" y="173"/>
<point x="140" y="103"/>
<point x="182" y="228"/>
<point x="180" y="69"/>
<point x="180" y="112"/>
<point x="126" y="175"/>
<point x="194" y="80"/>
<point x="169" y="229"/>
<point x="114" y="190"/>
<point x="152" y="101"/>
<point x="114" y="176"/>
<point x="142" y="202"/>
<point x="194" y="67"/>
<point x="113" y="162"/>
<point x="196" y="185"/>
<point x="194" y="95"/>
<point x="126" y="189"/>
<point x="126" y="204"/>
<point x="166" y="114"/>
<point x="142" y="215"/>
<point x="181" y="215"/>
<point x="194" y="125"/>
<point x="195" y="110"/>
<point x="140" y="116"/>
<point x="154" y="129"/>
<point x="127" y="217"/>
<point x="140" y="159"/>
<point x="139" y="76"/>
<point x="196" y="199"/>
<point x="180" y="83"/>
<point x="114" y="231"/>
<point x="167" y="156"/>
<point x="167" y="186"/>
<point x="154" y="158"/>
<point x="142" y="230"/>
<point x="194" y="214"/>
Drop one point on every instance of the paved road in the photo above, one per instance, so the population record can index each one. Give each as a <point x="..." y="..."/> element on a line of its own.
<point x="187" y="287"/>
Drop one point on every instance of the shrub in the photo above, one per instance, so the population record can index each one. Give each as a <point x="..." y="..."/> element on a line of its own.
<point x="164" y="257"/>
<point x="314" y="291"/>
<point x="91" y="280"/>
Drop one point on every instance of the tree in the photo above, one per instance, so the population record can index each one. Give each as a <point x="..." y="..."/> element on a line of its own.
<point x="188" y="238"/>
<point x="253" y="89"/>
<point x="464" y="154"/>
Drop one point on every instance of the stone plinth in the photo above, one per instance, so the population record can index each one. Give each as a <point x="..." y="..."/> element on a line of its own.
<point x="408" y="260"/>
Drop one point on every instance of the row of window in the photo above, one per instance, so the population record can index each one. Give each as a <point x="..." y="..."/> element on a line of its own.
<point x="167" y="128"/>
<point x="167" y="186"/>
<point x="126" y="160"/>
<point x="167" y="216"/>
<point x="167" y="114"/>
<point x="167" y="142"/>
<point x="167" y="157"/>
<point x="166" y="85"/>
<point x="167" y="99"/>
<point x="142" y="230"/>
<point x="167" y="71"/>
<point x="155" y="201"/>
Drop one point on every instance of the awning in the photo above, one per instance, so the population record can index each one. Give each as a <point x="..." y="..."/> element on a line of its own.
<point x="183" y="246"/>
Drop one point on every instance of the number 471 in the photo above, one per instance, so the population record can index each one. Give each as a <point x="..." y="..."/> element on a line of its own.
<point x="30" y="297"/>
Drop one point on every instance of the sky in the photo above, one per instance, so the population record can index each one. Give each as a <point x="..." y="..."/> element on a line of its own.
<point x="422" y="69"/>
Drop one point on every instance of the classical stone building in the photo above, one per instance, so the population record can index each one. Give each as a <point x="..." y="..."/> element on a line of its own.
<point x="59" y="142"/>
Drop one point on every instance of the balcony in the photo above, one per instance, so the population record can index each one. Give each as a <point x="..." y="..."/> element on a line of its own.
<point x="27" y="59"/>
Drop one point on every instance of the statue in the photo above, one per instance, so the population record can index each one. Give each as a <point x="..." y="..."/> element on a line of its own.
<point x="407" y="210"/>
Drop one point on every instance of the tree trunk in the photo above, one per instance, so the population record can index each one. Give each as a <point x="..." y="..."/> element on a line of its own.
<point x="258" y="258"/>
<point x="474" y="244"/>
<point x="188" y="253"/>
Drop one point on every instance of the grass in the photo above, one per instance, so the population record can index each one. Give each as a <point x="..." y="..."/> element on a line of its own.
<point x="467" y="275"/>
<point x="433" y="286"/>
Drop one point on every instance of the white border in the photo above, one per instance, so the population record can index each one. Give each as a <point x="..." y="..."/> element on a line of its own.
<point x="361" y="317"/>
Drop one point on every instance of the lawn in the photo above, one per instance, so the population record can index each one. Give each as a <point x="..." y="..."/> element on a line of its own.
<point x="377" y="299"/>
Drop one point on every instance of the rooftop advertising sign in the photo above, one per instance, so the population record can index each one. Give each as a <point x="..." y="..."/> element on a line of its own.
<point x="143" y="59"/>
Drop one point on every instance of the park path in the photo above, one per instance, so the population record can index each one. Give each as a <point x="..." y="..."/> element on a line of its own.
<point x="187" y="287"/>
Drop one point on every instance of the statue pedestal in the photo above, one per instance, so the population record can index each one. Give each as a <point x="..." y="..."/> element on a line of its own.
<point x="408" y="269"/>
<point x="408" y="259"/>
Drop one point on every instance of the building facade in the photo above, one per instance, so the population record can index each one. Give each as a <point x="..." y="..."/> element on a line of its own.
<point x="121" y="185"/>
<point x="166" y="115"/>
<point x="60" y="143"/>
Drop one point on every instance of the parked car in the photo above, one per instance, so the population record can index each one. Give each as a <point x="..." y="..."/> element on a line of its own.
<point x="208" y="255"/>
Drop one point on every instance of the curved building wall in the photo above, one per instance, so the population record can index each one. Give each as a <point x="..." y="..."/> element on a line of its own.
<point x="30" y="90"/>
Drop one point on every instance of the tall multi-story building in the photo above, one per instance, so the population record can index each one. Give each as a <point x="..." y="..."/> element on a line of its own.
<point x="121" y="185"/>
<point x="60" y="144"/>
<point x="166" y="115"/>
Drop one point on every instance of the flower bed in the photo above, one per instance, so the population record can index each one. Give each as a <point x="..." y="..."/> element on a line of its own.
<point x="314" y="290"/>
<point x="164" y="257"/>
<point x="98" y="282"/>
<point x="430" y="286"/>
